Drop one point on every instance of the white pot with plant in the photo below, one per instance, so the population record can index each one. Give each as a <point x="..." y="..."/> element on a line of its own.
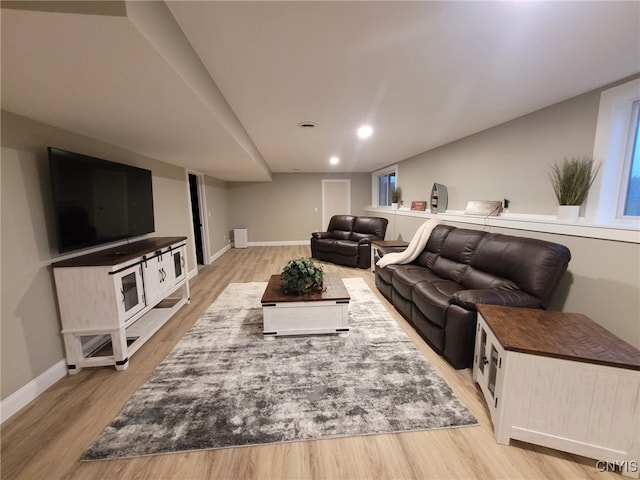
<point x="571" y="180"/>
<point x="396" y="196"/>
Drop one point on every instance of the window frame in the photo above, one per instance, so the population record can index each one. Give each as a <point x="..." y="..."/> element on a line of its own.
<point x="632" y="150"/>
<point x="375" y="184"/>
<point x="611" y="147"/>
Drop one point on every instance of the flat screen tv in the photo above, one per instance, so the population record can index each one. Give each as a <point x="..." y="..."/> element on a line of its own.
<point x="98" y="201"/>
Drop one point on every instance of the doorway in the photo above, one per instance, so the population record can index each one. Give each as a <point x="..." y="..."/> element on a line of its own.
<point x="196" y="196"/>
<point x="336" y="199"/>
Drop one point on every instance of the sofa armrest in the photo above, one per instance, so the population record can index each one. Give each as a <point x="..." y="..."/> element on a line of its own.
<point x="320" y="235"/>
<point x="494" y="296"/>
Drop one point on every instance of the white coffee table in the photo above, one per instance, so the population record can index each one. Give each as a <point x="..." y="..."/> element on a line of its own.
<point x="314" y="313"/>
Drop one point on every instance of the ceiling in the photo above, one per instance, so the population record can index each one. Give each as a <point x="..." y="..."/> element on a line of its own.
<point x="220" y="87"/>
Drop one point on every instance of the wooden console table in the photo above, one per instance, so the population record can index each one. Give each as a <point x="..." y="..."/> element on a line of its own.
<point x="112" y="301"/>
<point x="560" y="380"/>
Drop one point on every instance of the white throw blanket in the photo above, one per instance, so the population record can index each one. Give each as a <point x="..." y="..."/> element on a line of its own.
<point x="415" y="247"/>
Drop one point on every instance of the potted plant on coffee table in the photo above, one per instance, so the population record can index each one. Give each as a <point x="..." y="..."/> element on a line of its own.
<point x="571" y="180"/>
<point x="300" y="276"/>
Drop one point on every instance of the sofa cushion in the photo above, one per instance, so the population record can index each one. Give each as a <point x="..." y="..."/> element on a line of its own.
<point x="324" y="244"/>
<point x="341" y="234"/>
<point x="345" y="247"/>
<point x="386" y="273"/>
<point x="434" y="246"/>
<point x="469" y="299"/>
<point x="405" y="277"/>
<point x="535" y="266"/>
<point x="432" y="333"/>
<point x="449" y="269"/>
<point x="432" y="298"/>
<point x="340" y="226"/>
<point x="474" y="278"/>
<point x="372" y="228"/>
<point x="456" y="253"/>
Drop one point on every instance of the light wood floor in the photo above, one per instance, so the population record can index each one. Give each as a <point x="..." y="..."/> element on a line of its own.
<point x="46" y="439"/>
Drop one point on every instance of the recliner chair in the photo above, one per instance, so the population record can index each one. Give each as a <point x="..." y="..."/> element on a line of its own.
<point x="347" y="240"/>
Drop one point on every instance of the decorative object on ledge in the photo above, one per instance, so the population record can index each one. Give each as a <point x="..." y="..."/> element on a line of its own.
<point x="571" y="180"/>
<point x="300" y="276"/>
<point x="419" y="205"/>
<point x="439" y="198"/>
<point x="396" y="196"/>
<point x="486" y="208"/>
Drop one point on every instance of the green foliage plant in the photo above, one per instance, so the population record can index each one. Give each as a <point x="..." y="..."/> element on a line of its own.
<point x="300" y="276"/>
<point x="396" y="195"/>
<point x="572" y="178"/>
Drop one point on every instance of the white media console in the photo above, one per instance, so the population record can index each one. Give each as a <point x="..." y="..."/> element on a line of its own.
<point x="111" y="302"/>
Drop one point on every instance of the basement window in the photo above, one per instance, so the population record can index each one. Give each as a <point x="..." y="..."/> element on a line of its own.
<point x="383" y="183"/>
<point x="614" y="199"/>
<point x="630" y="189"/>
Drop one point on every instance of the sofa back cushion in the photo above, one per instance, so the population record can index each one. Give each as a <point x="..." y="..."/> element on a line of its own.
<point x="532" y="265"/>
<point x="373" y="228"/>
<point x="434" y="245"/>
<point x="458" y="249"/>
<point x="340" y="226"/>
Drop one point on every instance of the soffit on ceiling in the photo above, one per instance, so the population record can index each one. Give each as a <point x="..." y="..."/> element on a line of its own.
<point x="97" y="76"/>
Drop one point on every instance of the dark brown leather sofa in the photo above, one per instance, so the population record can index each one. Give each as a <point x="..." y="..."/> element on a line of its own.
<point x="458" y="269"/>
<point x="347" y="240"/>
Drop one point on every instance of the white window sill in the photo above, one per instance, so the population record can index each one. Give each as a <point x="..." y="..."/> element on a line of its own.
<point x="528" y="222"/>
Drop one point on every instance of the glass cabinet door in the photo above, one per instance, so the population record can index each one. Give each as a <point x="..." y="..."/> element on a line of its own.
<point x="179" y="264"/>
<point x="130" y="291"/>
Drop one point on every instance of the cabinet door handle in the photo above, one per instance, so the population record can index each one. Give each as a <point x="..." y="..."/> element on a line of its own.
<point x="182" y="261"/>
<point x="123" y="298"/>
<point x="485" y="360"/>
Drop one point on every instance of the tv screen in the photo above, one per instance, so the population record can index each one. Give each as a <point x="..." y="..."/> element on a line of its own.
<point x="97" y="201"/>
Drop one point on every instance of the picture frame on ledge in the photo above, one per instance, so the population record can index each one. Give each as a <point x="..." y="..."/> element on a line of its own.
<point x="419" y="205"/>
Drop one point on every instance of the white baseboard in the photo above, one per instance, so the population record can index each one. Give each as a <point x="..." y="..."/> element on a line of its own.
<point x="219" y="253"/>
<point x="21" y="398"/>
<point x="279" y="243"/>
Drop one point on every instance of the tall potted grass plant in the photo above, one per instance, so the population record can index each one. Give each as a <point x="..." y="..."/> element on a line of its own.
<point x="571" y="180"/>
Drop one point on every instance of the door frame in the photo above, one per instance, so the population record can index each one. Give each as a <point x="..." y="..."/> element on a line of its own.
<point x="204" y="216"/>
<point x="325" y="181"/>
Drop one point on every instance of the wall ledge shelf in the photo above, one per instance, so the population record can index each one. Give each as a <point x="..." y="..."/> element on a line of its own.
<point x="526" y="222"/>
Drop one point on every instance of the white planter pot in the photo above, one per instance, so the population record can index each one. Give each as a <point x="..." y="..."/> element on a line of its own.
<point x="394" y="206"/>
<point x="568" y="213"/>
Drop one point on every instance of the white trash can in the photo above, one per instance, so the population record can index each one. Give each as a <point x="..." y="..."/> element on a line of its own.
<point x="240" y="238"/>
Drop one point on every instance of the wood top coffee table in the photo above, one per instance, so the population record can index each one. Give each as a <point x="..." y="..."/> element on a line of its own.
<point x="313" y="313"/>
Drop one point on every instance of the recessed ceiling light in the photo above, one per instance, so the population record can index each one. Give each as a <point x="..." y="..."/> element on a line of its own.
<point x="334" y="160"/>
<point x="306" y="124"/>
<point x="365" y="131"/>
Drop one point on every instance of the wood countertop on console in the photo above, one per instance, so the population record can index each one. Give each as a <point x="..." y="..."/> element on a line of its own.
<point x="568" y="336"/>
<point x="119" y="254"/>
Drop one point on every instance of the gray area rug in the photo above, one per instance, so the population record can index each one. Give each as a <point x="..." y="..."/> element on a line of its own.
<point x="224" y="385"/>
